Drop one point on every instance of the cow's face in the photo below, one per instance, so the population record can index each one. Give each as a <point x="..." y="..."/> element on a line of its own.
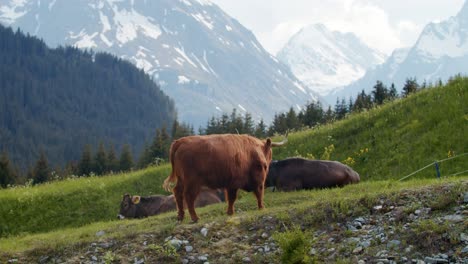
<point x="128" y="206"/>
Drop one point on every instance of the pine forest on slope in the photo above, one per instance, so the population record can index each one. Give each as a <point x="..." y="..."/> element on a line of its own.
<point x="57" y="100"/>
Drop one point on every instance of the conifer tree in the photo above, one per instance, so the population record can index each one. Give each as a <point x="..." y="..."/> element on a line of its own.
<point x="292" y="120"/>
<point x="7" y="175"/>
<point x="248" y="126"/>
<point x="260" y="129"/>
<point x="85" y="164"/>
<point x="380" y="93"/>
<point x="41" y="171"/>
<point x="100" y="160"/>
<point x="329" y="115"/>
<point x="411" y="86"/>
<point x="126" y="159"/>
<point x="393" y="94"/>
<point x="112" y="162"/>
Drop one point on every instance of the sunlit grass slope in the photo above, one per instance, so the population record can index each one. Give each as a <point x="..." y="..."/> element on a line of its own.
<point x="396" y="139"/>
<point x="74" y="202"/>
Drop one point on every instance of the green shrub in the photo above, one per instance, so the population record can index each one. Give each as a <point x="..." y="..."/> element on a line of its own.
<point x="294" y="246"/>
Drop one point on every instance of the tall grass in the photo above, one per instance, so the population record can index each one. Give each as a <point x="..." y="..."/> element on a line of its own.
<point x="396" y="139"/>
<point x="73" y="202"/>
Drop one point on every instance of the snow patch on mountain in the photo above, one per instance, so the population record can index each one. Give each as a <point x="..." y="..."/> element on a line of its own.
<point x="202" y="58"/>
<point x="440" y="52"/>
<point x="325" y="59"/>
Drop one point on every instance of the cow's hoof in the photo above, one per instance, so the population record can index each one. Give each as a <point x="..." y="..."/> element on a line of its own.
<point x="194" y="221"/>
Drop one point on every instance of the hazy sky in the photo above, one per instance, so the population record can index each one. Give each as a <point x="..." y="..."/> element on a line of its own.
<point x="382" y="24"/>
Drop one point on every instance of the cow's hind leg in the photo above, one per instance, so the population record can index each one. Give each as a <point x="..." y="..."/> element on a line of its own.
<point x="231" y="197"/>
<point x="179" y="197"/>
<point x="190" y="195"/>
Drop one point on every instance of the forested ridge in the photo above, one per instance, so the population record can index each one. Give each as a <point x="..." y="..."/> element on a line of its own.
<point x="58" y="100"/>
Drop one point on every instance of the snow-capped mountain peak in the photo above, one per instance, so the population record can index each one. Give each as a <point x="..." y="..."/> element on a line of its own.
<point x="440" y="52"/>
<point x="325" y="59"/>
<point x="205" y="60"/>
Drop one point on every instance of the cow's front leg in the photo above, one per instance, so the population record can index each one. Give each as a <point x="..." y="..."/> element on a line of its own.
<point x="259" y="191"/>
<point x="231" y="197"/>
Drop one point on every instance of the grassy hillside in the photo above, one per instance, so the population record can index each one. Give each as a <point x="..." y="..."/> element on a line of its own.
<point x="74" y="202"/>
<point x="383" y="144"/>
<point x="296" y="221"/>
<point x="397" y="138"/>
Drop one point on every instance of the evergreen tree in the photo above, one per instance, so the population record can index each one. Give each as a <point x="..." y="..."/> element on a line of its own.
<point x="411" y="86"/>
<point x="7" y="175"/>
<point x="312" y="114"/>
<point x="181" y="130"/>
<point x="260" y="129"/>
<point x="85" y="165"/>
<point x="41" y="171"/>
<point x="341" y="108"/>
<point x="329" y="115"/>
<point x="164" y="143"/>
<point x="363" y="101"/>
<point x="248" y="126"/>
<point x="112" y="162"/>
<point x="100" y="160"/>
<point x="126" y="159"/>
<point x="393" y="94"/>
<point x="380" y="93"/>
<point x="292" y="120"/>
<point x="279" y="124"/>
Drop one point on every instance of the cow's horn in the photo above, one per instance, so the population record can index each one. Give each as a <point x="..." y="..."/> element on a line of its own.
<point x="285" y="140"/>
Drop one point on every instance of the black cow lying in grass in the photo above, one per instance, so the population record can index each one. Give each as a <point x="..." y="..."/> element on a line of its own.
<point x="297" y="174"/>
<point x="139" y="207"/>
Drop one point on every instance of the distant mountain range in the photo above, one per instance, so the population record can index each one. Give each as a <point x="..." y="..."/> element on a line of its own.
<point x="325" y="59"/>
<point x="440" y="52"/>
<point x="204" y="59"/>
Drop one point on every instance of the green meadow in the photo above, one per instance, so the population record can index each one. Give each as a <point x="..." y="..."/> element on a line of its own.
<point x="383" y="145"/>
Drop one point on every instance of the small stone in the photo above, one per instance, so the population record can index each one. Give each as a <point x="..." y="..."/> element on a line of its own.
<point x="185" y="261"/>
<point x="365" y="244"/>
<point x="12" y="260"/>
<point x="358" y="250"/>
<point x="393" y="244"/>
<point x="176" y="243"/>
<point x="465" y="250"/>
<point x="100" y="233"/>
<point x="361" y="261"/>
<point x="313" y="251"/>
<point x="264" y="235"/>
<point x="188" y="249"/>
<point x="246" y="260"/>
<point x="465" y="197"/>
<point x="463" y="237"/>
<point x="202" y="258"/>
<point x="94" y="258"/>
<point x="430" y="260"/>
<point x="417" y="212"/>
<point x="204" y="231"/>
<point x="454" y="218"/>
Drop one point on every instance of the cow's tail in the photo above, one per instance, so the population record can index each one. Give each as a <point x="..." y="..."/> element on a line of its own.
<point x="172" y="178"/>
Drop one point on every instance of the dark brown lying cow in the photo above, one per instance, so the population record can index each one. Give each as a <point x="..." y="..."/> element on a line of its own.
<point x="139" y="207"/>
<point x="228" y="161"/>
<point x="297" y="173"/>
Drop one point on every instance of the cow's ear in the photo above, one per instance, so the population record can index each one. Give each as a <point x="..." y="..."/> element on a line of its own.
<point x="136" y="199"/>
<point x="268" y="143"/>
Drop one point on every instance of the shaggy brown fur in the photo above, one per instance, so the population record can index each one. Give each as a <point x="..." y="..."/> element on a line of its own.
<point x="230" y="162"/>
